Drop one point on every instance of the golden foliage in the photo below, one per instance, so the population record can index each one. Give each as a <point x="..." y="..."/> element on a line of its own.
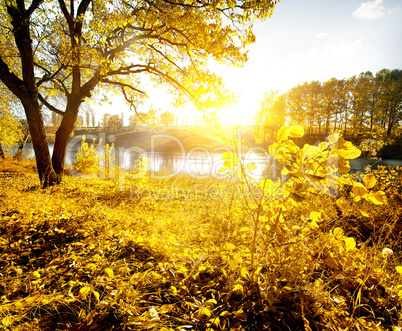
<point x="84" y="255"/>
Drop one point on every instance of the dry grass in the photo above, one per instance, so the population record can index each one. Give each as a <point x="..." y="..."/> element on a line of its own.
<point x="170" y="255"/>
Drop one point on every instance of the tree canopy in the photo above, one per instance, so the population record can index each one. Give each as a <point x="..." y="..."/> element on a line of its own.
<point x="167" y="118"/>
<point x="79" y="48"/>
<point x="11" y="128"/>
<point x="367" y="101"/>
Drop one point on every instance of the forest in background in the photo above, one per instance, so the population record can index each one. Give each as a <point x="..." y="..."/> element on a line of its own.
<point x="368" y="103"/>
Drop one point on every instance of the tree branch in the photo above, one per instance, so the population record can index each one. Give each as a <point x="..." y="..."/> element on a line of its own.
<point x="67" y="16"/>
<point x="11" y="80"/>
<point x="47" y="77"/>
<point x="176" y="84"/>
<point x="34" y="5"/>
<point x="49" y="106"/>
<point x="127" y="43"/>
<point x="122" y="85"/>
<point x="167" y="59"/>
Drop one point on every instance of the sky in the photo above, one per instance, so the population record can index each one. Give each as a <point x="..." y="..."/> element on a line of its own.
<point x="306" y="40"/>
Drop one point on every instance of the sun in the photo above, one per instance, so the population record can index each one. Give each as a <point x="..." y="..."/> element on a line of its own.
<point x="240" y="113"/>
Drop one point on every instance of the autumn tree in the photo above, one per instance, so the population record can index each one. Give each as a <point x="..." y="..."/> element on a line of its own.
<point x="270" y="116"/>
<point x="114" y="123"/>
<point x="167" y="118"/>
<point x="81" y="47"/>
<point x="296" y="105"/>
<point x="87" y="117"/>
<point x="389" y="98"/>
<point x="313" y="104"/>
<point x="132" y="120"/>
<point x="149" y="118"/>
<point x="79" y="122"/>
<point x="105" y="120"/>
<point x="11" y="128"/>
<point x="364" y="101"/>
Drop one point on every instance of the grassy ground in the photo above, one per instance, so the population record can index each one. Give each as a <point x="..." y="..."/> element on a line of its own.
<point x="177" y="254"/>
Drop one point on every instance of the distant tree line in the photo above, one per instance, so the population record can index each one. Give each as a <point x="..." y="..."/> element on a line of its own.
<point x="362" y="102"/>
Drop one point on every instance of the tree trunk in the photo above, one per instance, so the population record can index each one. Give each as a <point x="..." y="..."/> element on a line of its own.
<point x="18" y="155"/>
<point x="63" y="134"/>
<point x="1" y="152"/>
<point x="46" y="173"/>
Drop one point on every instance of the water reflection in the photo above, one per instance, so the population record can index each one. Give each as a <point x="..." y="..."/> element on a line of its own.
<point x="199" y="164"/>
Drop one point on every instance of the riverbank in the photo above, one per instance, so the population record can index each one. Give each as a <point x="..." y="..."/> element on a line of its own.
<point x="182" y="139"/>
<point x="176" y="254"/>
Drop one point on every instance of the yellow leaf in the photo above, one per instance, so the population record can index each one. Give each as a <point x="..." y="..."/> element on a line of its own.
<point x="109" y="273"/>
<point x="399" y="269"/>
<point x="377" y="198"/>
<point x="338" y="233"/>
<point x="350" y="243"/>
<point x="272" y="149"/>
<point x="225" y="313"/>
<point x="229" y="246"/>
<point x="238" y="287"/>
<point x="296" y="131"/>
<point x="359" y="189"/>
<point x="36" y="274"/>
<point x="283" y="133"/>
<point x="343" y="166"/>
<point x="345" y="180"/>
<point x="96" y="294"/>
<point x="215" y="321"/>
<point x="7" y="321"/>
<point x="244" y="273"/>
<point x="291" y="146"/>
<point x="348" y="151"/>
<point x="205" y="313"/>
<point x="224" y="139"/>
<point x="251" y="166"/>
<point x="84" y="291"/>
<point x="316" y="216"/>
<point x="365" y="214"/>
<point x="369" y="180"/>
<point x="309" y="150"/>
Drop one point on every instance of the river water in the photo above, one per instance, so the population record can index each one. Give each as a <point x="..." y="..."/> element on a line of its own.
<point x="198" y="163"/>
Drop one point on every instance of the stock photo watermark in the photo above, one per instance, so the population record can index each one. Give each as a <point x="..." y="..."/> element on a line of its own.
<point x="197" y="163"/>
